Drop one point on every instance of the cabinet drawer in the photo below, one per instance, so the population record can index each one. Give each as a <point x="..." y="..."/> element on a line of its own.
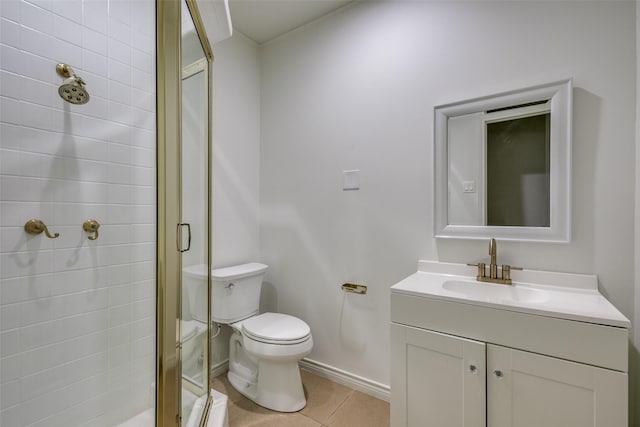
<point x="588" y="343"/>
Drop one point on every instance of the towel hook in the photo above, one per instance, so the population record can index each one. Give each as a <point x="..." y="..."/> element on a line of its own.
<point x="36" y="226"/>
<point x="91" y="226"/>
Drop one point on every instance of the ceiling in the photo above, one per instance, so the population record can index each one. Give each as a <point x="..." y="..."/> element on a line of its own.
<point x="264" y="20"/>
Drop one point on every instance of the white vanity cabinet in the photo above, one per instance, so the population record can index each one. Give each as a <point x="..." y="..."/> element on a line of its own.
<point x="443" y="380"/>
<point x="528" y="389"/>
<point x="436" y="379"/>
<point x="464" y="363"/>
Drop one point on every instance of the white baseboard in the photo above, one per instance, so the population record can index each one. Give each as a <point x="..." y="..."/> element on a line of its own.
<point x="220" y="368"/>
<point x="356" y="382"/>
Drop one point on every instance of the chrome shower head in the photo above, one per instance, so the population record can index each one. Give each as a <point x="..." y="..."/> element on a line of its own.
<point x="72" y="89"/>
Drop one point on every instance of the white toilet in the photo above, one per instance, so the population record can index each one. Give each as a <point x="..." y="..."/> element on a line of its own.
<point x="194" y="324"/>
<point x="264" y="349"/>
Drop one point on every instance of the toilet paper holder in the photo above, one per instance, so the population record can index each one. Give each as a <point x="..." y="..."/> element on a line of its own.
<point x="354" y="288"/>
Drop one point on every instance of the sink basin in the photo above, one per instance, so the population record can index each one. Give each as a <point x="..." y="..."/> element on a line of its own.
<point x="493" y="292"/>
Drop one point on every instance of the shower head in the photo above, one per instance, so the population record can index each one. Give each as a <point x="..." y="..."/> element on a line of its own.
<point x="72" y="89"/>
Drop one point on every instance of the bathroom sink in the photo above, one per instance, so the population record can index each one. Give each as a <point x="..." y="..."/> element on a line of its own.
<point x="494" y="292"/>
<point x="553" y="294"/>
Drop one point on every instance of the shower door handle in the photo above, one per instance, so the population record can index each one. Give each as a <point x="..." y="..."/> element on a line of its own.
<point x="180" y="239"/>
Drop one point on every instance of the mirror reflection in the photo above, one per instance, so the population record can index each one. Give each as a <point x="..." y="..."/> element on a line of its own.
<point x="518" y="171"/>
<point x="502" y="165"/>
<point x="499" y="167"/>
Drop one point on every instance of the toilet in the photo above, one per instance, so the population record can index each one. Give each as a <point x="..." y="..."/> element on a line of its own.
<point x="193" y="326"/>
<point x="193" y="334"/>
<point x="264" y="349"/>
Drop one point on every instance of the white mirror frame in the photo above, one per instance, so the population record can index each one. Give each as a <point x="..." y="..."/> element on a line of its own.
<point x="560" y="94"/>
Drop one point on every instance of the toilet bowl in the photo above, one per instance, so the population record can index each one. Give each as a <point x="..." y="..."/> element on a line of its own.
<point x="264" y="352"/>
<point x="193" y="335"/>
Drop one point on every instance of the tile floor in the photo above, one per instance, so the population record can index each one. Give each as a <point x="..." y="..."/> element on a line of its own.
<point x="328" y="405"/>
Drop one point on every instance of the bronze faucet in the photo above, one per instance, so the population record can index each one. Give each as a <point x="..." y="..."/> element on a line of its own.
<point x="493" y="266"/>
<point x="505" y="278"/>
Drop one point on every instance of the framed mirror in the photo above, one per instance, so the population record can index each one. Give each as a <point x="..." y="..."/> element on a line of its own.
<point x="503" y="165"/>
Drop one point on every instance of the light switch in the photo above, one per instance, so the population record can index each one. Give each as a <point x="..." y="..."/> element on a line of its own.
<point x="351" y="180"/>
<point x="469" y="186"/>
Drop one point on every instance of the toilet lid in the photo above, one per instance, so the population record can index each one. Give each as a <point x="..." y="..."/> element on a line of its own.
<point x="199" y="271"/>
<point x="276" y="328"/>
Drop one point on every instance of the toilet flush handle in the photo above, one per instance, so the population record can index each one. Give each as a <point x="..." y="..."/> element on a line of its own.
<point x="230" y="286"/>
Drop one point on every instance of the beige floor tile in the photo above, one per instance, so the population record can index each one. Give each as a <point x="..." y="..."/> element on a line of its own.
<point x="244" y="413"/>
<point x="247" y="414"/>
<point x="328" y="405"/>
<point x="323" y="396"/>
<point x="361" y="410"/>
<point x="221" y="384"/>
<point x="293" y="420"/>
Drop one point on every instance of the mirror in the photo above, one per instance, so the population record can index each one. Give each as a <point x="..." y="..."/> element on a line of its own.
<point x="503" y="166"/>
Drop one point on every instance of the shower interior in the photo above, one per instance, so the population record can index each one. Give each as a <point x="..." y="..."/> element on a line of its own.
<point x="78" y="306"/>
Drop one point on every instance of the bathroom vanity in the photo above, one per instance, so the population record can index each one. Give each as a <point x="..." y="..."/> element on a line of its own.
<point x="548" y="350"/>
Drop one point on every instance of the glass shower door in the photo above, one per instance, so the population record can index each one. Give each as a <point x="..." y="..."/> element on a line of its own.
<point x="194" y="226"/>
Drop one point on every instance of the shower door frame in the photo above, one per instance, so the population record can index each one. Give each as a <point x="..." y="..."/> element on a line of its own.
<point x="169" y="135"/>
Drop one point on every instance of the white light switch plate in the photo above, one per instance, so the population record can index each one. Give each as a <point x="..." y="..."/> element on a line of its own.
<point x="351" y="180"/>
<point x="469" y="186"/>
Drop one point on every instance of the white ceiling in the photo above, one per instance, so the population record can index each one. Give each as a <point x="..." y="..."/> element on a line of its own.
<point x="264" y="20"/>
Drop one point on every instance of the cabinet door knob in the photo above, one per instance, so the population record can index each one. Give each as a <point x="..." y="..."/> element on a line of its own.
<point x="473" y="368"/>
<point x="498" y="373"/>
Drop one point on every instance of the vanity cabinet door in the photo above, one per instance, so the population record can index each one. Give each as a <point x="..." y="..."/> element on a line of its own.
<point x="437" y="380"/>
<point x="530" y="390"/>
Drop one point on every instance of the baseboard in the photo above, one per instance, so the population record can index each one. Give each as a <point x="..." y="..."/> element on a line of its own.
<point x="356" y="382"/>
<point x="220" y="368"/>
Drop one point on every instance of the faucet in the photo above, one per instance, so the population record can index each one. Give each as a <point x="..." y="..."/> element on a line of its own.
<point x="493" y="266"/>
<point x="505" y="277"/>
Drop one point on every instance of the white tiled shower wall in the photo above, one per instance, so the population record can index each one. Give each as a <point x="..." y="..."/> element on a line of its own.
<point x="77" y="317"/>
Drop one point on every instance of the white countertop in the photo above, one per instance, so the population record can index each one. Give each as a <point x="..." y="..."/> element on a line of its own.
<point x="559" y="295"/>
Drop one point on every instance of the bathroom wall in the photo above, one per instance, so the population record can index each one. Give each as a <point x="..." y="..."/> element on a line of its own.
<point x="77" y="317"/>
<point x="635" y="352"/>
<point x="236" y="160"/>
<point x="356" y="90"/>
<point x="236" y="151"/>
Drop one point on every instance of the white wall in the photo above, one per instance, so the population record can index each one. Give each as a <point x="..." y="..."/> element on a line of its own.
<point x="236" y="161"/>
<point x="236" y="152"/>
<point x="77" y="317"/>
<point x="357" y="90"/>
<point x="635" y="353"/>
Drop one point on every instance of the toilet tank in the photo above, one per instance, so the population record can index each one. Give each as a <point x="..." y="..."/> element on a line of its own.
<point x="194" y="282"/>
<point x="236" y="291"/>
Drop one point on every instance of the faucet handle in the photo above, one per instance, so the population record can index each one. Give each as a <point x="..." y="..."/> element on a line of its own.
<point x="506" y="271"/>
<point x="481" y="269"/>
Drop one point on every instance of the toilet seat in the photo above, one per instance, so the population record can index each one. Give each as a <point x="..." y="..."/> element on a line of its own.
<point x="276" y="328"/>
<point x="189" y="329"/>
